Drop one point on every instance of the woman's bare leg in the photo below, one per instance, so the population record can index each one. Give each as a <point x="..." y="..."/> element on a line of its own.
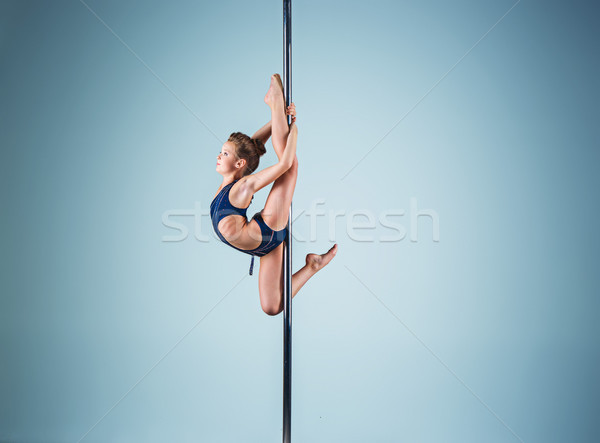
<point x="279" y="125"/>
<point x="270" y="279"/>
<point x="277" y="207"/>
<point x="276" y="214"/>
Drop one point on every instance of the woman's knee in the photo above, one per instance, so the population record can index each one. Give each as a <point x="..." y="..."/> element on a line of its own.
<point x="271" y="308"/>
<point x="270" y="303"/>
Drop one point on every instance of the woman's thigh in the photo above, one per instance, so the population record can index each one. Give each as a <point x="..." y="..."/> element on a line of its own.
<point x="277" y="207"/>
<point x="270" y="284"/>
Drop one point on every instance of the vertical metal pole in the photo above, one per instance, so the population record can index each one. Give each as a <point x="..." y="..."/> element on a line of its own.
<point x="287" y="248"/>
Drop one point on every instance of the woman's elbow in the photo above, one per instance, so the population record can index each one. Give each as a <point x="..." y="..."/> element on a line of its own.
<point x="292" y="165"/>
<point x="286" y="165"/>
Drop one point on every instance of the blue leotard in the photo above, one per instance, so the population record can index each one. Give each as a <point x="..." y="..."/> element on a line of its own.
<point x="221" y="207"/>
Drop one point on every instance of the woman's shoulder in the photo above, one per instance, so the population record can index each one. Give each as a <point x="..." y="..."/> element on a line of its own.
<point x="221" y="188"/>
<point x="240" y="193"/>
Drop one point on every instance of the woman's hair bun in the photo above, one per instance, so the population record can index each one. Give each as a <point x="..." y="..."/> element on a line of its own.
<point x="259" y="146"/>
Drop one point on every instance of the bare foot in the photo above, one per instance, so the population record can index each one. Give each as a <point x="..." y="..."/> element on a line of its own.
<point x="318" y="262"/>
<point x="275" y="92"/>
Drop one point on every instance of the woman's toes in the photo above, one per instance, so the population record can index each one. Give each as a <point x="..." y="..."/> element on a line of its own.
<point x="317" y="262"/>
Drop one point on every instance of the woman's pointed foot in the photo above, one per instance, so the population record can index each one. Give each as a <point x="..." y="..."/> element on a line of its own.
<point x="275" y="92"/>
<point x="318" y="262"/>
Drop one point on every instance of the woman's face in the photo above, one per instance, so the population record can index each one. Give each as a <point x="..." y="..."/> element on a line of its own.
<point x="227" y="160"/>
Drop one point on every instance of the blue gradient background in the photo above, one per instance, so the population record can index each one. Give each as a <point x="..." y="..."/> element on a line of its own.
<point x="95" y="150"/>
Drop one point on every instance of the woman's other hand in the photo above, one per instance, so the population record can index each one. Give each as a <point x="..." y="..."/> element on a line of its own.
<point x="291" y="110"/>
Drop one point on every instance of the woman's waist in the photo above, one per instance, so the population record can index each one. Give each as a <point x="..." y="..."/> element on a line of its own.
<point x="237" y="231"/>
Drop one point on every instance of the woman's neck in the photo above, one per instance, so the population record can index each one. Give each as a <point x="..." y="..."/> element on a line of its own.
<point x="228" y="179"/>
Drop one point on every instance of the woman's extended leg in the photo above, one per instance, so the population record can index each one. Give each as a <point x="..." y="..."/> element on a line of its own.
<point x="279" y="125"/>
<point x="276" y="213"/>
<point x="277" y="207"/>
<point x="270" y="281"/>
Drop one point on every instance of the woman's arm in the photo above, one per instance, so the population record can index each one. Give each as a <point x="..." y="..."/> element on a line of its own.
<point x="263" y="133"/>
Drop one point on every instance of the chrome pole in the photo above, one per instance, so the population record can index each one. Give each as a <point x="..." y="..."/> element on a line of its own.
<point x="287" y="248"/>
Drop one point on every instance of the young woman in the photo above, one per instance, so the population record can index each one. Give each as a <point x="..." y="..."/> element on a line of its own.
<point x="263" y="235"/>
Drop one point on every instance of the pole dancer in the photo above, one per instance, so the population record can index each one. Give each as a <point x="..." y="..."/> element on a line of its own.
<point x="263" y="235"/>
